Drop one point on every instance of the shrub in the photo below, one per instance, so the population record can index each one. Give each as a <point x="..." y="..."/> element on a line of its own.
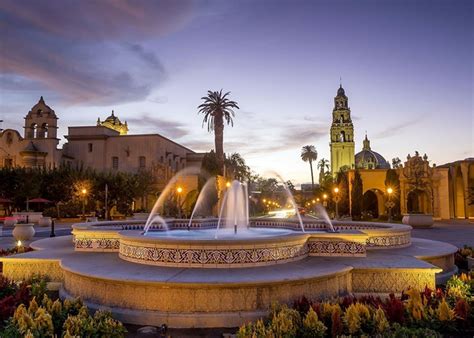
<point x="312" y="326"/>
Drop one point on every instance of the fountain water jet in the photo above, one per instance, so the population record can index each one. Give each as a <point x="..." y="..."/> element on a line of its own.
<point x="234" y="211"/>
<point x="204" y="191"/>
<point x="322" y="212"/>
<point x="290" y="196"/>
<point x="159" y="202"/>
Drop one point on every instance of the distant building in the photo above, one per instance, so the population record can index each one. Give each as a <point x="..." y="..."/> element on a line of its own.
<point x="342" y="134"/>
<point x="445" y="191"/>
<point x="105" y="146"/>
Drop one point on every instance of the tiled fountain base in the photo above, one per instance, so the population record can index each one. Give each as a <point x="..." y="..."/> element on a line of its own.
<point x="197" y="297"/>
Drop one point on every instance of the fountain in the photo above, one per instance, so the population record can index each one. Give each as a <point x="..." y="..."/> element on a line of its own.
<point x="225" y="271"/>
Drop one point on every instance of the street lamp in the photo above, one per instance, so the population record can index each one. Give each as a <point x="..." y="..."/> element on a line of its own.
<point x="179" y="190"/>
<point x="390" y="203"/>
<point x="84" y="194"/>
<point x="227" y="184"/>
<point x="337" y="199"/>
<point x="325" y="203"/>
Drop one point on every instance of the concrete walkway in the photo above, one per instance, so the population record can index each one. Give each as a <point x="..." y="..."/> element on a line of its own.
<point x="455" y="232"/>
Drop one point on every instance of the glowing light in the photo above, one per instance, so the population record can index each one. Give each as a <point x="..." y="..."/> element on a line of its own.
<point x="314" y="201"/>
<point x="227" y="184"/>
<point x="19" y="244"/>
<point x="336" y="190"/>
<point x="325" y="196"/>
<point x="84" y="191"/>
<point x="264" y="200"/>
<point x="317" y="199"/>
<point x="389" y="190"/>
<point x="179" y="190"/>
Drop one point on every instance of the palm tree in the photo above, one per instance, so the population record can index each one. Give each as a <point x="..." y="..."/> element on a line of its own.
<point x="216" y="108"/>
<point x="323" y="165"/>
<point x="309" y="154"/>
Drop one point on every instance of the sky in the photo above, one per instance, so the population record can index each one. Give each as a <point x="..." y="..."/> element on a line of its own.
<point x="406" y="66"/>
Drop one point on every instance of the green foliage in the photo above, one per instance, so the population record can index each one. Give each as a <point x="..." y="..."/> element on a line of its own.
<point x="236" y="167"/>
<point x="356" y="196"/>
<point x="62" y="184"/>
<point x="209" y="164"/>
<point x="68" y="319"/>
<point x="342" y="182"/>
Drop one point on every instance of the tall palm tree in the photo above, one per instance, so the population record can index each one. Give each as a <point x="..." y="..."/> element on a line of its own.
<point x="216" y="108"/>
<point x="323" y="165"/>
<point x="309" y="154"/>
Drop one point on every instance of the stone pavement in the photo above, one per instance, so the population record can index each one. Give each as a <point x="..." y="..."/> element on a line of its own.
<point x="455" y="232"/>
<point x="7" y="241"/>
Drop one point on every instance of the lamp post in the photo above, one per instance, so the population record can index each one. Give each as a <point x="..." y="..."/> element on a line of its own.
<point x="337" y="199"/>
<point x="390" y="203"/>
<point x="84" y="194"/>
<point x="179" y="190"/>
<point x="325" y="202"/>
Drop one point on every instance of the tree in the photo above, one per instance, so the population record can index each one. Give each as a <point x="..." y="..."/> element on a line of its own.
<point x="323" y="165"/>
<point x="309" y="154"/>
<point x="216" y="108"/>
<point x="343" y="185"/>
<point x="356" y="196"/>
<point x="236" y="167"/>
<point x="396" y="163"/>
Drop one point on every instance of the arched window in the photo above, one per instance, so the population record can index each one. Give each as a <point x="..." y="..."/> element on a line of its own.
<point x="44" y="130"/>
<point x="34" y="130"/>
<point x="342" y="136"/>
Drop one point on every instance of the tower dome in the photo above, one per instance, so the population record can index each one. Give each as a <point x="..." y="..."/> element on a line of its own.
<point x="113" y="122"/>
<point x="340" y="91"/>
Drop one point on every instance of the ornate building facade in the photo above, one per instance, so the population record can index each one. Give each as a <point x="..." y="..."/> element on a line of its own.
<point x="445" y="191"/>
<point x="106" y="146"/>
<point x="38" y="147"/>
<point x="342" y="134"/>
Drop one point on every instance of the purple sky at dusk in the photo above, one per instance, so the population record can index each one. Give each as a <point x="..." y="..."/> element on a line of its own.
<point x="406" y="66"/>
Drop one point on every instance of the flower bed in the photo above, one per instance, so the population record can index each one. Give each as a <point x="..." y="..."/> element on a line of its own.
<point x="22" y="315"/>
<point x="430" y="313"/>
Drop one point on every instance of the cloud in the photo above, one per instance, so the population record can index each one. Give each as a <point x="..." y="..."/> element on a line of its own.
<point x="168" y="128"/>
<point x="397" y="128"/>
<point x="148" y="57"/>
<point x="81" y="49"/>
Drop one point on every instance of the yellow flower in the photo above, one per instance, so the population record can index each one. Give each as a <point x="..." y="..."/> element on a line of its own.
<point x="381" y="322"/>
<point x="56" y="308"/>
<point x="445" y="313"/>
<point x="33" y="306"/>
<point x="29" y="335"/>
<point x="46" y="303"/>
<point x="465" y="277"/>
<point x="415" y="304"/>
<point x="44" y="322"/>
<point x="22" y="320"/>
<point x="352" y="319"/>
<point x="313" y="325"/>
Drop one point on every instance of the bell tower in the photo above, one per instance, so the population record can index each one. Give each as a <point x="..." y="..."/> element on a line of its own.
<point x="41" y="122"/>
<point x="342" y="134"/>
